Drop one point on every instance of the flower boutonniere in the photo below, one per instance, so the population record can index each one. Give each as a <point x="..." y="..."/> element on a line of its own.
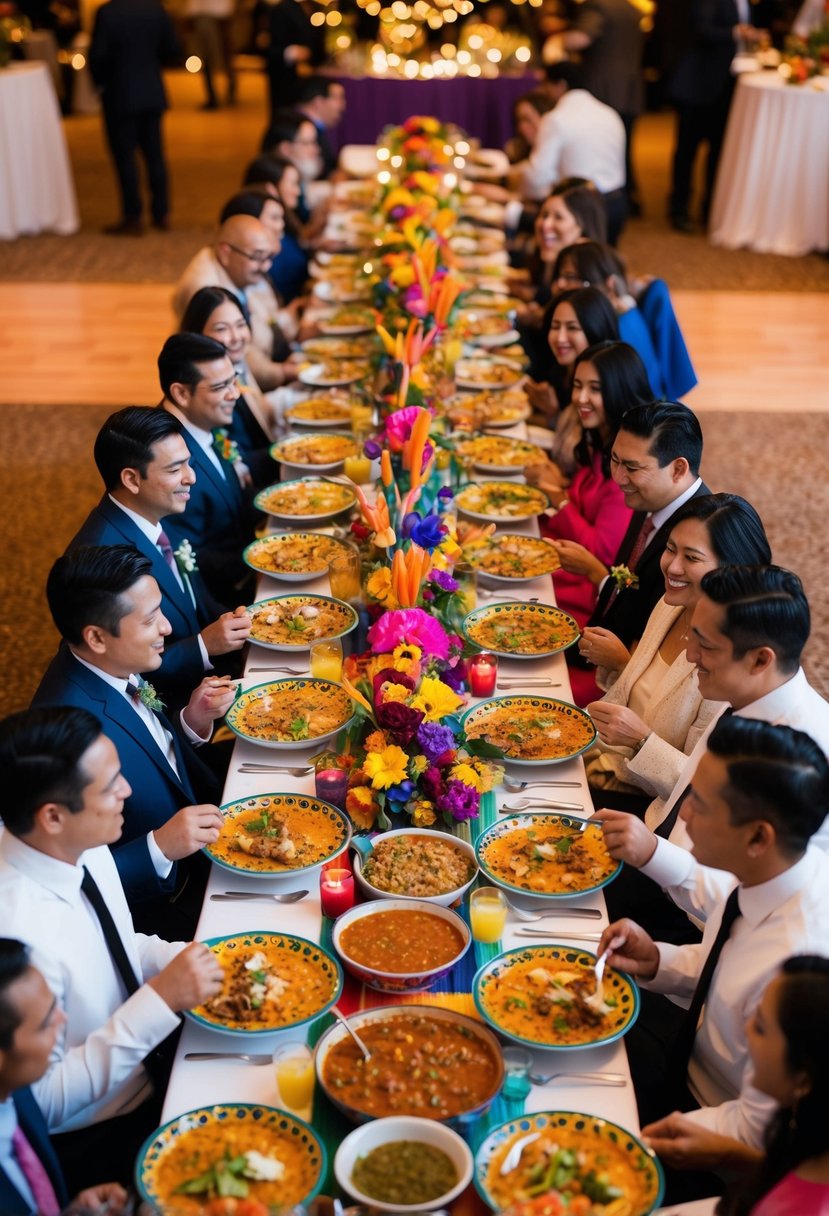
<point x="148" y="696"/>
<point x="227" y="448"/>
<point x="624" y="577"/>
<point x="185" y="556"/>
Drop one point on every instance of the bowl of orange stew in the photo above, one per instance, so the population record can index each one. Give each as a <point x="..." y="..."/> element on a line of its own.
<point x="430" y="1062"/>
<point x="400" y="945"/>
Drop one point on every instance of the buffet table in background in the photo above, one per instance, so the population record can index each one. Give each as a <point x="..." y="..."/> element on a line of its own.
<point x="37" y="193"/>
<point x="772" y="190"/>
<point x="480" y="107"/>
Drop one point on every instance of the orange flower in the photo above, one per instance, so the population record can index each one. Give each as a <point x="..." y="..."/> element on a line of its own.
<point x="362" y="806"/>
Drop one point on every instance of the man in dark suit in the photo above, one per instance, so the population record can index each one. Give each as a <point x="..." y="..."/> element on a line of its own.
<point x="107" y="608"/>
<point x="294" y="44"/>
<point x="323" y="101"/>
<point x="31" y="1178"/>
<point x="199" y="385"/>
<point x="655" y="461"/>
<point x="130" y="42"/>
<point x="145" y="466"/>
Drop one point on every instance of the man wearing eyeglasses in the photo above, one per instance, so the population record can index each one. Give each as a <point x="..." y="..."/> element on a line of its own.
<point x="239" y="261"/>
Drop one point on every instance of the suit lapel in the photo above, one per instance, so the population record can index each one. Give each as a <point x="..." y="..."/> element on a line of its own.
<point x="162" y="573"/>
<point x="227" y="486"/>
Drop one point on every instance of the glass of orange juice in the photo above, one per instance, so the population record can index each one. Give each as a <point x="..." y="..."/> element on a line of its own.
<point x="487" y="914"/>
<point x="327" y="659"/>
<point x="344" y="574"/>
<point x="357" y="468"/>
<point x="294" y="1065"/>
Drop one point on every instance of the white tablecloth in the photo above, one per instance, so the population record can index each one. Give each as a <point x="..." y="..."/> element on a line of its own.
<point x="772" y="191"/>
<point x="37" y="193"/>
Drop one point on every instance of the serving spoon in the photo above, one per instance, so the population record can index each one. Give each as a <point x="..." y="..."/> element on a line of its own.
<point x="344" y="1021"/>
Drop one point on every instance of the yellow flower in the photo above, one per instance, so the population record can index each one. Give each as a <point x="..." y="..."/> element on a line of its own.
<point x="435" y="699"/>
<point x="423" y="815"/>
<point x="361" y="805"/>
<point x="379" y="587"/>
<point x="386" y="768"/>
<point x="466" y="773"/>
<point x="395" y="692"/>
<point x="418" y="766"/>
<point x="403" y="276"/>
<point x="407" y="659"/>
<point x="492" y="775"/>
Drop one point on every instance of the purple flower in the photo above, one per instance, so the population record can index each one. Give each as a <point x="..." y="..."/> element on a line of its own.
<point x="455" y="677"/>
<point x="460" y="801"/>
<point x="428" y="532"/>
<point x="408" y="523"/>
<point x="435" y="740"/>
<point x="443" y="580"/>
<point x="401" y="792"/>
<point x="372" y="449"/>
<point x="445" y="492"/>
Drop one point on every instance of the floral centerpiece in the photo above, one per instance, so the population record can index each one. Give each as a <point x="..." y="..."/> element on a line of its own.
<point x="410" y="754"/>
<point x="420" y="143"/>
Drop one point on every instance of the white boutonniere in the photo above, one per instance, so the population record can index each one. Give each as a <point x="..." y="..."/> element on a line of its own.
<point x="185" y="556"/>
<point x="148" y="696"/>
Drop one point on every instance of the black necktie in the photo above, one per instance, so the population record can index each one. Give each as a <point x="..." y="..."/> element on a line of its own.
<point x="112" y="937"/>
<point x="684" y="1045"/>
<point x="669" y="822"/>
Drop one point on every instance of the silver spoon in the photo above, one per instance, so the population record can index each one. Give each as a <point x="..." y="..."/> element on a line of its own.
<point x="344" y="1021"/>
<point x="535" y="804"/>
<point x="514" y="786"/>
<point x="578" y="913"/>
<point x="250" y="1057"/>
<point x="252" y="767"/>
<point x="291" y="671"/>
<point x="607" y="1078"/>
<point x="487" y="594"/>
<point x="290" y="897"/>
<point x="517" y="682"/>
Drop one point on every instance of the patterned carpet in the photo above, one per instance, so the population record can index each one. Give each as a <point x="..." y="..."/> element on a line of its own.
<point x="48" y="483"/>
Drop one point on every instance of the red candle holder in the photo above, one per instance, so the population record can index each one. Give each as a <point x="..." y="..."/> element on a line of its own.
<point x="482" y="671"/>
<point x="331" y="786"/>
<point x="336" y="892"/>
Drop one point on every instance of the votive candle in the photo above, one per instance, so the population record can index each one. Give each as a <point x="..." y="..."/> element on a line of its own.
<point x="482" y="671"/>
<point x="336" y="892"/>
<point x="331" y="785"/>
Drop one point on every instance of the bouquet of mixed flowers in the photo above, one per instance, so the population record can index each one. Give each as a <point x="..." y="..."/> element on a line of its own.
<point x="410" y="753"/>
<point x="421" y="143"/>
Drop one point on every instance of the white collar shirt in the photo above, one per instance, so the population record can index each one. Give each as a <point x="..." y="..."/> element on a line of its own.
<point x="152" y="533"/>
<point x="95" y="1071"/>
<point x="579" y="137"/>
<point x="662" y="516"/>
<point x="785" y="916"/>
<point x="203" y="438"/>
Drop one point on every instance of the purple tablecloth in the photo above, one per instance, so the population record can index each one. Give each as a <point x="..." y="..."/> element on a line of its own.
<point x="482" y="108"/>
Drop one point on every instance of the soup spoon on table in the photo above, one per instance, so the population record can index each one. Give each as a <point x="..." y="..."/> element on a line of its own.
<point x="344" y="1020"/>
<point x="533" y="804"/>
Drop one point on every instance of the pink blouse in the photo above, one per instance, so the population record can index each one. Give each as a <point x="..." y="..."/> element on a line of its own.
<point x="794" y="1196"/>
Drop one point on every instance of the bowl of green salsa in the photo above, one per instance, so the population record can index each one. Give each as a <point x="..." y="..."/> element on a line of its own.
<point x="403" y="1164"/>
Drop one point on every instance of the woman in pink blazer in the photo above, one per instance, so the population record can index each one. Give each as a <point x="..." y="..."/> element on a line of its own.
<point x="608" y="378"/>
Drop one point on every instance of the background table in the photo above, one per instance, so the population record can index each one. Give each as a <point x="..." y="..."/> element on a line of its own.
<point x="480" y="107"/>
<point x="772" y="190"/>
<point x="37" y="193"/>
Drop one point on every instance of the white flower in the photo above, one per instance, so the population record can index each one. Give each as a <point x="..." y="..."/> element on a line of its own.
<point x="185" y="556"/>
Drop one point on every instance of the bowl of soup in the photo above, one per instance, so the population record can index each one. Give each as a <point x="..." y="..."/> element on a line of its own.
<point x="428" y="1062"/>
<point x="400" y="945"/>
<point x="403" y="1164"/>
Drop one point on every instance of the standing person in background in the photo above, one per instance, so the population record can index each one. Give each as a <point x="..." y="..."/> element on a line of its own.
<point x="295" y="47"/>
<point x="212" y="26"/>
<point x="131" y="41"/>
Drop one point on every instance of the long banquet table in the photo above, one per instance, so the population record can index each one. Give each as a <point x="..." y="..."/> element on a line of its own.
<point x="193" y="1083"/>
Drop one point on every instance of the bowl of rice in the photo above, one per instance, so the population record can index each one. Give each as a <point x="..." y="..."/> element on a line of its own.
<point x="416" y="863"/>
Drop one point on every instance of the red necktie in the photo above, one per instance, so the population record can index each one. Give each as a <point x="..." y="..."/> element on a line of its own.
<point x="166" y="548"/>
<point x="645" y="533"/>
<point x="33" y="1170"/>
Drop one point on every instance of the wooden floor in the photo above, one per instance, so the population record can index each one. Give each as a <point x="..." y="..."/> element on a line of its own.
<point x="96" y="344"/>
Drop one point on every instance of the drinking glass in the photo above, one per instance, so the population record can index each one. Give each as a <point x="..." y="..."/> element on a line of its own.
<point x="517" y="1065"/>
<point x="344" y="574"/>
<point x="294" y="1065"/>
<point x="487" y="914"/>
<point x="327" y="660"/>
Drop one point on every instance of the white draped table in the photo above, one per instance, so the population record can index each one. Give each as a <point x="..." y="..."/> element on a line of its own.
<point x="37" y="193"/>
<point x="772" y="190"/>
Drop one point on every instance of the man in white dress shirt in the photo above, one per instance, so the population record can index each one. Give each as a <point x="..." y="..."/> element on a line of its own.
<point x="747" y="635"/>
<point x="758" y="796"/>
<point x="121" y="992"/>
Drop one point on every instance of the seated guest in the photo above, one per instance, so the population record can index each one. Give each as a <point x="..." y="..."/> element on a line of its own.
<point x="322" y="99"/>
<point x="654" y="713"/>
<point x="293" y="137"/>
<point x="239" y="261"/>
<point x="578" y="319"/>
<point x="289" y="269"/>
<point x="786" y="1038"/>
<point x="120" y="992"/>
<point x="145" y="466"/>
<point x="199" y="386"/>
<point x="526" y="116"/>
<point x="748" y="630"/>
<point x="573" y="212"/>
<point x="31" y="1179"/>
<point x="655" y="460"/>
<point x="218" y="313"/>
<point x="758" y="795"/>
<point x="107" y="608"/>
<point x="607" y="379"/>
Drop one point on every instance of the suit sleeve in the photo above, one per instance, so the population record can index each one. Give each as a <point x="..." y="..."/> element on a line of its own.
<point x="138" y="874"/>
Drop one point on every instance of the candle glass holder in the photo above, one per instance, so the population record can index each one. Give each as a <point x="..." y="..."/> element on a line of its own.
<point x="336" y="892"/>
<point x="482" y="672"/>
<point x="330" y="779"/>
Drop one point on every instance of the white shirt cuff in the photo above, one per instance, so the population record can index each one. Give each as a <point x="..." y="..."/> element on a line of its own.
<point x="161" y="864"/>
<point x="670" y="865"/>
<point x="205" y="657"/>
<point x="196" y="740"/>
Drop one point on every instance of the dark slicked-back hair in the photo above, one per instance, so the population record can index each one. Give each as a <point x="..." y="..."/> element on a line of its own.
<point x="775" y="773"/>
<point x="764" y="606"/>
<point x="624" y="382"/>
<point x="284" y="126"/>
<point x="126" y="441"/>
<point x="564" y="72"/>
<point x="735" y="530"/>
<point x="671" y="429"/>
<point x="310" y="87"/>
<point x="14" y="963"/>
<point x="180" y="357"/>
<point x="40" y="759"/>
<point x="87" y="586"/>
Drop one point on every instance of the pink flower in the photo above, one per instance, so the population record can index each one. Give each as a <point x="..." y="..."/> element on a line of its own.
<point x="408" y="625"/>
<point x="399" y="426"/>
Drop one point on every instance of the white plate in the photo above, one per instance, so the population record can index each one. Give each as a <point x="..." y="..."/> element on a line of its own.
<point x="315" y="375"/>
<point x="491" y="340"/>
<point x="326" y="290"/>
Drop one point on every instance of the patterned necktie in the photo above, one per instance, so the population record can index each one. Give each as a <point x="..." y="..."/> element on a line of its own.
<point x="684" y="1045"/>
<point x="645" y="533"/>
<point x="34" y="1171"/>
<point x="166" y="548"/>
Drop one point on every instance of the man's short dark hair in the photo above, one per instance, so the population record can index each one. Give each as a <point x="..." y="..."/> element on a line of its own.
<point x="775" y="773"/>
<point x="310" y="87"/>
<point x="14" y="963"/>
<point x="126" y="441"/>
<point x="180" y="357"/>
<point x="672" y="430"/>
<point x="283" y="129"/>
<point x="87" y="586"/>
<point x="564" y="72"/>
<point x="40" y="755"/>
<point x="246" y="202"/>
<point x="764" y="606"/>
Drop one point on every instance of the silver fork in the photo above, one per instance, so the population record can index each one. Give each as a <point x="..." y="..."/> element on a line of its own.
<point x="291" y="671"/>
<point x="252" y="767"/>
<point x="514" y="786"/>
<point x="578" y="913"/>
<point x="607" y="1078"/>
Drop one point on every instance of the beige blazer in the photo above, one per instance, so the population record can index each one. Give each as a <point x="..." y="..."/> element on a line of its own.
<point x="678" y="716"/>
